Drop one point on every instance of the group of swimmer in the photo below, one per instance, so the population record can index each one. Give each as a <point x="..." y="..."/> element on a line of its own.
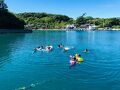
<point x="50" y="48"/>
<point x="40" y="48"/>
<point x="76" y="59"/>
<point x="64" y="48"/>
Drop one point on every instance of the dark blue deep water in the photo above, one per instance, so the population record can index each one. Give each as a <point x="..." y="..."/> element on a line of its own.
<point x="21" y="69"/>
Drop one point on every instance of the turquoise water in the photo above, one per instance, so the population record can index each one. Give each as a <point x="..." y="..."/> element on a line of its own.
<point x="20" y="68"/>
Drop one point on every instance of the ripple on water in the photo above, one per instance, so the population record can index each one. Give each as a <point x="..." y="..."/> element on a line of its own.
<point x="99" y="71"/>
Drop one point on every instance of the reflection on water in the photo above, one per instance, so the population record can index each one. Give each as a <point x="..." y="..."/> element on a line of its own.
<point x="71" y="37"/>
<point x="20" y="68"/>
<point x="91" y="36"/>
<point x="8" y="44"/>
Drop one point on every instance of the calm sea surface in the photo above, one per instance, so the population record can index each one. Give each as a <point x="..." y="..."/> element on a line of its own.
<point x="20" y="68"/>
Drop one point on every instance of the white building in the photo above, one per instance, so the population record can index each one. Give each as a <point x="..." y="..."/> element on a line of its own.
<point x="72" y="26"/>
<point x="3" y="5"/>
<point x="88" y="27"/>
<point x="92" y="27"/>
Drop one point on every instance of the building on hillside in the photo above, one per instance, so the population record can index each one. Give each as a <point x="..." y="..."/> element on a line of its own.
<point x="3" y="5"/>
<point x="88" y="26"/>
<point x="72" y="26"/>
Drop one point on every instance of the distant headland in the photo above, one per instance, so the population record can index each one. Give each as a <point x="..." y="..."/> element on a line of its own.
<point x="31" y="20"/>
<point x="56" y="21"/>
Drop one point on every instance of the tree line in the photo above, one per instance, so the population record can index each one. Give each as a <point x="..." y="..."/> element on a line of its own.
<point x="51" y="21"/>
<point x="45" y="21"/>
<point x="56" y="21"/>
<point x="100" y="22"/>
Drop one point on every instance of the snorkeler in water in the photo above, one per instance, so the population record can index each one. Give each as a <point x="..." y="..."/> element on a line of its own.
<point x="42" y="47"/>
<point x="60" y="46"/>
<point x="86" y="51"/>
<point x="66" y="49"/>
<point x="49" y="48"/>
<point x="36" y="49"/>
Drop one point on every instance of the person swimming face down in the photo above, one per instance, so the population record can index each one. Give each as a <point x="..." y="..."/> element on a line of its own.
<point x="36" y="49"/>
<point x="66" y="49"/>
<point x="60" y="46"/>
<point x="49" y="48"/>
<point x="42" y="47"/>
<point x="86" y="50"/>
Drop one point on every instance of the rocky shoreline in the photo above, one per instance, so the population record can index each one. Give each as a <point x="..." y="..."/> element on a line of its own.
<point x="15" y="31"/>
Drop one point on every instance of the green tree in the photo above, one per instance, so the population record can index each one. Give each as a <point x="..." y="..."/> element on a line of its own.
<point x="10" y="21"/>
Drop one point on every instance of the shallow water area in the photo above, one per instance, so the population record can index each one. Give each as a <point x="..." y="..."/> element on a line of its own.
<point x="20" y="68"/>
